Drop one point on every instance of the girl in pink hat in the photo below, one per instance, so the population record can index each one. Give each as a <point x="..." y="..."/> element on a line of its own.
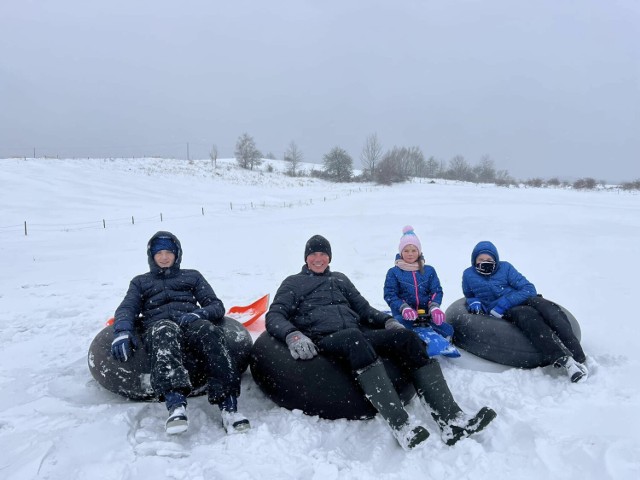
<point x="411" y="285"/>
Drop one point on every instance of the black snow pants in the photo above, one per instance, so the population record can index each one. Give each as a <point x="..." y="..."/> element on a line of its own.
<point x="199" y="348"/>
<point x="547" y="327"/>
<point x="360" y="348"/>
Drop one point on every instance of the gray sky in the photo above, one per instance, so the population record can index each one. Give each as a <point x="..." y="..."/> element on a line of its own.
<point x="545" y="88"/>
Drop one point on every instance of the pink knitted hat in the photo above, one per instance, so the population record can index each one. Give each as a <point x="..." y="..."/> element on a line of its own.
<point x="409" y="238"/>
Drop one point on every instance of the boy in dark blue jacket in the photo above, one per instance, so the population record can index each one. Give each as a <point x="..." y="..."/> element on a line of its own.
<point x="176" y="313"/>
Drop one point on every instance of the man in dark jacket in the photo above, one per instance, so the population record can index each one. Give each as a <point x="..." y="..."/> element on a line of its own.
<point x="320" y="311"/>
<point x="176" y="313"/>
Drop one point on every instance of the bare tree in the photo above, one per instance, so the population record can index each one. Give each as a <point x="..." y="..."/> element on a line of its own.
<point x="293" y="156"/>
<point x="431" y="168"/>
<point x="247" y="155"/>
<point x="371" y="154"/>
<point x="213" y="155"/>
<point x="415" y="161"/>
<point x="485" y="171"/>
<point x="459" y="169"/>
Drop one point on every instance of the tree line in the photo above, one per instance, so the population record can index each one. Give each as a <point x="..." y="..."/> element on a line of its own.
<point x="399" y="164"/>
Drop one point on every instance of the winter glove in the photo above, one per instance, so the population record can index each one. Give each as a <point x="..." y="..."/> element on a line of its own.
<point x="475" y="308"/>
<point x="497" y="312"/>
<point x="187" y="318"/>
<point x="301" y="346"/>
<point x="437" y="316"/>
<point x="123" y="345"/>
<point x="408" y="313"/>
<point x="393" y="324"/>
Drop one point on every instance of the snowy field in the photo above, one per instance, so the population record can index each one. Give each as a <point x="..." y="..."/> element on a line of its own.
<point x="65" y="278"/>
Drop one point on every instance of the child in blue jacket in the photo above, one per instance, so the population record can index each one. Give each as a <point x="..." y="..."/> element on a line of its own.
<point x="411" y="286"/>
<point x="493" y="286"/>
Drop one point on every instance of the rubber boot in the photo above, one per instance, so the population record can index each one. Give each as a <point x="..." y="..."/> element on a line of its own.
<point x="434" y="393"/>
<point x="380" y="391"/>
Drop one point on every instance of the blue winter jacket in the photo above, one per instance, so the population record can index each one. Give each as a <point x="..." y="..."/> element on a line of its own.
<point x="166" y="293"/>
<point x="503" y="289"/>
<point x="418" y="290"/>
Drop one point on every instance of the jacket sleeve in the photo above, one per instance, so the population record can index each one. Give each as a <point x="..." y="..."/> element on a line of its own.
<point x="391" y="290"/>
<point x="129" y="308"/>
<point x="210" y="304"/>
<point x="522" y="289"/>
<point x="435" y="289"/>
<point x="467" y="290"/>
<point x="278" y="318"/>
<point x="368" y="314"/>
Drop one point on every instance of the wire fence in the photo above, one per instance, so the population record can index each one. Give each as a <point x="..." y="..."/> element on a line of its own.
<point x="29" y="228"/>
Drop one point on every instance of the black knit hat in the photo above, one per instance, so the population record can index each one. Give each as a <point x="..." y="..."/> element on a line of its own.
<point x="317" y="243"/>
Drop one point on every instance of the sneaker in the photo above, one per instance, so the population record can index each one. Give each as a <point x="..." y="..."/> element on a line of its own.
<point x="410" y="435"/>
<point x="577" y="372"/>
<point x="464" y="425"/>
<point x="177" y="421"/>
<point x="234" y="422"/>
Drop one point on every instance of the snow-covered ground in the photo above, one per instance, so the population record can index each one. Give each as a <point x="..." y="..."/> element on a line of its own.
<point x="245" y="231"/>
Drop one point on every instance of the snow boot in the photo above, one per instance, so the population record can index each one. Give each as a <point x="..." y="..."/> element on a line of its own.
<point x="380" y="391"/>
<point x="463" y="425"/>
<point x="177" y="421"/>
<point x="232" y="421"/>
<point x="435" y="395"/>
<point x="577" y="372"/>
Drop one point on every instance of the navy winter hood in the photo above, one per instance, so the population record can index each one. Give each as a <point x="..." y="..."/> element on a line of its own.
<point x="484" y="247"/>
<point x="153" y="266"/>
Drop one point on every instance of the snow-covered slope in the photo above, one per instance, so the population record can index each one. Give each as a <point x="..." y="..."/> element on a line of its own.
<point x="245" y="231"/>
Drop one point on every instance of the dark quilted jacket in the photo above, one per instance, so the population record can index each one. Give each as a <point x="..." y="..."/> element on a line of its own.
<point x="166" y="293"/>
<point x="319" y="304"/>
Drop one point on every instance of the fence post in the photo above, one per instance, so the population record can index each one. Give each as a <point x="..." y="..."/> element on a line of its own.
<point x="160" y="216"/>
<point x="25" y="228"/>
<point x="230" y="206"/>
<point x="132" y="220"/>
<point x="104" y="224"/>
<point x="203" y="211"/>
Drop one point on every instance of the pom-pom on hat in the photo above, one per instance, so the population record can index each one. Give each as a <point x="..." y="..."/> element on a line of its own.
<point x="409" y="238"/>
<point x="317" y="243"/>
<point x="163" y="243"/>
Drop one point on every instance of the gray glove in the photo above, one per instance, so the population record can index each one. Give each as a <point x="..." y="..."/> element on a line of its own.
<point x="392" y="324"/>
<point x="301" y="346"/>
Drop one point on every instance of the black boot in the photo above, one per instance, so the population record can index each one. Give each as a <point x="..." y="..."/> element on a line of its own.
<point x="380" y="391"/>
<point x="434" y="392"/>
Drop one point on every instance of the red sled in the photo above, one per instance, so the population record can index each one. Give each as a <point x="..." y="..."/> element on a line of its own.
<point x="246" y="315"/>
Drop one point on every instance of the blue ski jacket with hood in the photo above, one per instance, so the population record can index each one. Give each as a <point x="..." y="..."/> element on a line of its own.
<point x="501" y="290"/>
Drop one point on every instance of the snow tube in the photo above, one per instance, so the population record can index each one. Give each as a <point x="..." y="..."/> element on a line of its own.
<point x="132" y="379"/>
<point x="495" y="339"/>
<point x="318" y="386"/>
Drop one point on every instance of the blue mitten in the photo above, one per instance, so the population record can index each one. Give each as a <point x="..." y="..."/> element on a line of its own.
<point x="475" y="307"/>
<point x="123" y="345"/>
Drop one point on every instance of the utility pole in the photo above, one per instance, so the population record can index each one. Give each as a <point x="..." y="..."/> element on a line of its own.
<point x="187" y="150"/>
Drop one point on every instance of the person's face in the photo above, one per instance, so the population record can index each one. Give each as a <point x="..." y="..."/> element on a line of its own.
<point x="484" y="257"/>
<point x="318" y="262"/>
<point x="410" y="253"/>
<point x="164" y="258"/>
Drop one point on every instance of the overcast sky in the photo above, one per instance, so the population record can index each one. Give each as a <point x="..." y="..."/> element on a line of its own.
<point x="545" y="88"/>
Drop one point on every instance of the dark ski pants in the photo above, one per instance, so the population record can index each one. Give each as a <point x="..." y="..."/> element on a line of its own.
<point x="199" y="348"/>
<point x="547" y="327"/>
<point x="359" y="349"/>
